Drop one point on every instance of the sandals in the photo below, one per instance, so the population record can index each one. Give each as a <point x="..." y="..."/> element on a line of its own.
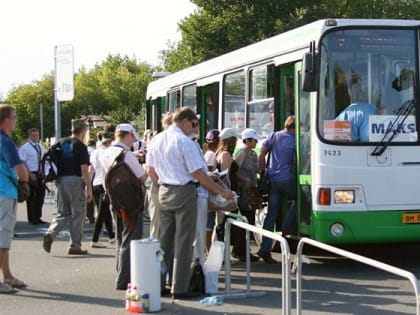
<point x="6" y="289"/>
<point x="15" y="283"/>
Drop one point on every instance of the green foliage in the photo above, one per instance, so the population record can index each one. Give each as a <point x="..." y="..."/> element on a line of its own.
<point x="218" y="27"/>
<point x="115" y="88"/>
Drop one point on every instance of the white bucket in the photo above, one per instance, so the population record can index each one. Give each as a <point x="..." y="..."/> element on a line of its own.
<point x="145" y="261"/>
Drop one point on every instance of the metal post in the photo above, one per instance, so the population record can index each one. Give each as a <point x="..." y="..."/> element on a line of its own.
<point x="41" y="122"/>
<point x="57" y="109"/>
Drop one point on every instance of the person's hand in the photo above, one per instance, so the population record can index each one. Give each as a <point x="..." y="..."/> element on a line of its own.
<point x="227" y="194"/>
<point x="32" y="177"/>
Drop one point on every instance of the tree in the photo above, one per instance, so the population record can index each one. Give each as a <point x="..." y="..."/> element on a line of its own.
<point x="218" y="27"/>
<point x="116" y="88"/>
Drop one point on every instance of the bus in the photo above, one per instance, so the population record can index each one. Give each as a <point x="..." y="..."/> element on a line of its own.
<point x="350" y="188"/>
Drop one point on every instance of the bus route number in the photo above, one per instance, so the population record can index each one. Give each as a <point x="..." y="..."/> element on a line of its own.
<point x="332" y="152"/>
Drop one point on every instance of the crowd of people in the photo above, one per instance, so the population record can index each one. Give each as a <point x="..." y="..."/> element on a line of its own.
<point x="182" y="176"/>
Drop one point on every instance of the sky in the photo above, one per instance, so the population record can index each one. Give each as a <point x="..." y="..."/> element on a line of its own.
<point x="30" y="29"/>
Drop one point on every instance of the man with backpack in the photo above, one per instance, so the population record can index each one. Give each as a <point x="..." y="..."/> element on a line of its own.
<point x="72" y="180"/>
<point x="129" y="221"/>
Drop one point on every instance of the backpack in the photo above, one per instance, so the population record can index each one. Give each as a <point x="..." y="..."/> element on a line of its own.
<point x="124" y="190"/>
<point x="51" y="160"/>
<point x="197" y="281"/>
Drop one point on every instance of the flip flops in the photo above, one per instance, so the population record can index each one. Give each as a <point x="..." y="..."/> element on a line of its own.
<point x="15" y="283"/>
<point x="6" y="289"/>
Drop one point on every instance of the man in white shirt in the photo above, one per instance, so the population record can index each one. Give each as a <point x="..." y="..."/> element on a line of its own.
<point x="125" y="136"/>
<point x="30" y="153"/>
<point x="177" y="170"/>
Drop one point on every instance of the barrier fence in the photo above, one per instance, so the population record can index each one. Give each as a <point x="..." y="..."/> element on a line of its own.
<point x="285" y="262"/>
<point x="297" y="266"/>
<point x="371" y="262"/>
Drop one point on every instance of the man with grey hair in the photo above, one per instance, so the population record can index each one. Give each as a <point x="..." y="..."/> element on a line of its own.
<point x="177" y="170"/>
<point x="73" y="178"/>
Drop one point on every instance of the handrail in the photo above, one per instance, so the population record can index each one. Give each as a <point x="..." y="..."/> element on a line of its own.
<point x="285" y="252"/>
<point x="365" y="260"/>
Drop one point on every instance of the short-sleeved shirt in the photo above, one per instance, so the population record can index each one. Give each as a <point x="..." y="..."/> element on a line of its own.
<point x="31" y="153"/>
<point x="175" y="157"/>
<point x="9" y="158"/>
<point x="282" y="158"/>
<point x="79" y="156"/>
<point x="109" y="155"/>
<point x="95" y="158"/>
<point x="358" y="114"/>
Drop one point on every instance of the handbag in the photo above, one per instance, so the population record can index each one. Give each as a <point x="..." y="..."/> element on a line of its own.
<point x="263" y="182"/>
<point x="23" y="191"/>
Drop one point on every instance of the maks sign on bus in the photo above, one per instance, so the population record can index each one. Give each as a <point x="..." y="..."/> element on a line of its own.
<point x="379" y="125"/>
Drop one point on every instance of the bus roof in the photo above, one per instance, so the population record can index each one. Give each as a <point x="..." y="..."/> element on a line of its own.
<point x="282" y="48"/>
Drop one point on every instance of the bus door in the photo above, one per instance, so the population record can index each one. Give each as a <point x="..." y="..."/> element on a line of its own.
<point x="303" y="154"/>
<point x="154" y="110"/>
<point x="208" y="107"/>
<point x="286" y="101"/>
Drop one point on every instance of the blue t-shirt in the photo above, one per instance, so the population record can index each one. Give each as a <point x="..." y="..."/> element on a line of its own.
<point x="9" y="158"/>
<point x="282" y="158"/>
<point x="358" y="114"/>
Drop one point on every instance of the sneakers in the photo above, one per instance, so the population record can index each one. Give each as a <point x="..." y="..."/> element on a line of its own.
<point x="77" y="251"/>
<point x="112" y="240"/>
<point x="7" y="289"/>
<point x="266" y="256"/>
<point x="15" y="283"/>
<point x="48" y="240"/>
<point x="97" y="245"/>
<point x="243" y="257"/>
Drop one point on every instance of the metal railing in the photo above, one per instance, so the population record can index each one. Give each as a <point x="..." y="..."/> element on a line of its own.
<point x="285" y="252"/>
<point x="371" y="262"/>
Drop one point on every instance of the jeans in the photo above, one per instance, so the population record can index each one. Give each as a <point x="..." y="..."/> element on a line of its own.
<point x="276" y="192"/>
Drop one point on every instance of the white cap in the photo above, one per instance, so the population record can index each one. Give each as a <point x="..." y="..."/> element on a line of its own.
<point x="128" y="128"/>
<point x="249" y="133"/>
<point x="228" y="133"/>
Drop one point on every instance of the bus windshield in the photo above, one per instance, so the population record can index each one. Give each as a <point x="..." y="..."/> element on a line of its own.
<point x="366" y="77"/>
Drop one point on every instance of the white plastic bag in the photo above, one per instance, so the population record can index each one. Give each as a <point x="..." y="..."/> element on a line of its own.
<point x="213" y="265"/>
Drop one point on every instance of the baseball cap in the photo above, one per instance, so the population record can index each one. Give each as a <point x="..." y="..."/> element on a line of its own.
<point x="249" y="133"/>
<point x="128" y="128"/>
<point x="212" y="135"/>
<point x="228" y="133"/>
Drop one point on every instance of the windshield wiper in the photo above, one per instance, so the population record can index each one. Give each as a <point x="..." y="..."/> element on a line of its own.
<point x="401" y="115"/>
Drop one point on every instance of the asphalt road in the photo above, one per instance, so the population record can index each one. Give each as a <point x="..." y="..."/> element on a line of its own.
<point x="63" y="284"/>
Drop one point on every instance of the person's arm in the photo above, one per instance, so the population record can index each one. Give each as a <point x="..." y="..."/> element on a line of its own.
<point x="153" y="175"/>
<point x="261" y="158"/>
<point x="22" y="172"/>
<point x="210" y="185"/>
<point x="86" y="177"/>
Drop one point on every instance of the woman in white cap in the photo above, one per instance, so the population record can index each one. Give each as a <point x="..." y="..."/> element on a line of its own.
<point x="224" y="159"/>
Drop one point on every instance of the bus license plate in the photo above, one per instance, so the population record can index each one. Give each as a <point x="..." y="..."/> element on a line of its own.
<point x="408" y="218"/>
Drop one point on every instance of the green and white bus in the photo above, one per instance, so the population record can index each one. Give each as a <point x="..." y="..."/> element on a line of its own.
<point x="350" y="189"/>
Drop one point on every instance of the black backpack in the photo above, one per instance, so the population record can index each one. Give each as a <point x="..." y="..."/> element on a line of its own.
<point x="197" y="281"/>
<point x="52" y="159"/>
<point x="124" y="190"/>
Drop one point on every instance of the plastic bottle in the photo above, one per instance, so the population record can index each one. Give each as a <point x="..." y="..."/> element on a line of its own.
<point x="135" y="305"/>
<point x="212" y="300"/>
<point x="128" y="298"/>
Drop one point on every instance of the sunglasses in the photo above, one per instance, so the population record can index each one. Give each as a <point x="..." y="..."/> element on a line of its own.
<point x="194" y="123"/>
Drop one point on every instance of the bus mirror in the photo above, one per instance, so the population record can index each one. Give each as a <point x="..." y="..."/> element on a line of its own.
<point x="309" y="72"/>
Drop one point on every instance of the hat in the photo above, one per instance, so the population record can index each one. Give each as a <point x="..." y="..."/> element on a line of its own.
<point x="249" y="133"/>
<point x="128" y="128"/>
<point x="227" y="133"/>
<point x="212" y="135"/>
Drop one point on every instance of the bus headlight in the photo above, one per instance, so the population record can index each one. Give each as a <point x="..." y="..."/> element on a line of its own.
<point x="344" y="196"/>
<point x="337" y="230"/>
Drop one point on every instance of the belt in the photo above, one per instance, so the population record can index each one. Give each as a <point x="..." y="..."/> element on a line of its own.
<point x="196" y="184"/>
